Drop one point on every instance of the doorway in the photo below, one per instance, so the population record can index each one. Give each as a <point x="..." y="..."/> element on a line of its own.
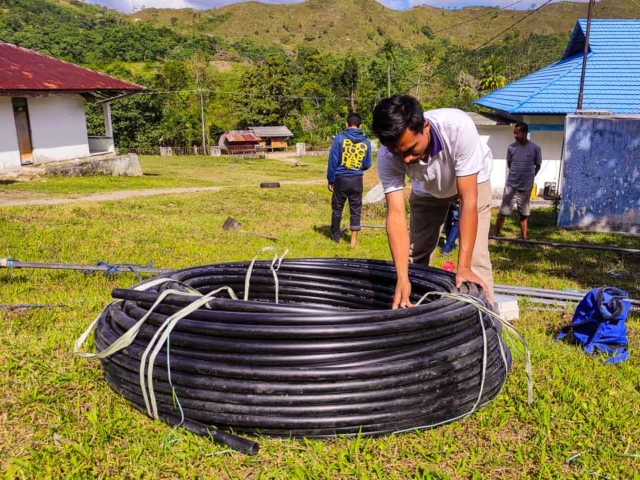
<point x="23" y="129"/>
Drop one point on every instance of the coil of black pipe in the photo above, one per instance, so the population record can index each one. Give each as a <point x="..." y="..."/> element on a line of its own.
<point x="331" y="358"/>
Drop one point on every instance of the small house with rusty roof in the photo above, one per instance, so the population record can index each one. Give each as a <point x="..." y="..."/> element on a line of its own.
<point x="42" y="109"/>
<point x="239" y="142"/>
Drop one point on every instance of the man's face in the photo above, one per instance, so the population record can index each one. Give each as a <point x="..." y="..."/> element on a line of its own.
<point x="412" y="146"/>
<point x="519" y="135"/>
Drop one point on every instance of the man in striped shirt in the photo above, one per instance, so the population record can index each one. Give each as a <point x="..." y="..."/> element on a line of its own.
<point x="524" y="159"/>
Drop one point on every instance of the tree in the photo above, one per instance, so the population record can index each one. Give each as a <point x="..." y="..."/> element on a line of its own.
<point x="492" y="74"/>
<point x="349" y="79"/>
<point x="267" y="93"/>
<point x="389" y="52"/>
<point x="427" y="31"/>
<point x="468" y="84"/>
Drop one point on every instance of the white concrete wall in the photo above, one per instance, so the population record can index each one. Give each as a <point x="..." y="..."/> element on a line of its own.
<point x="58" y="128"/>
<point x="9" y="149"/>
<point x="501" y="136"/>
<point x="551" y="145"/>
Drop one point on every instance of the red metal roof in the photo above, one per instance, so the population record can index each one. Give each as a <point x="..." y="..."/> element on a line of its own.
<point x="27" y="70"/>
<point x="241" y="136"/>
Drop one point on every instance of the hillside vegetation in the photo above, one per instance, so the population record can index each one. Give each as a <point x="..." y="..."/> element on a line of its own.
<point x="364" y="25"/>
<point x="303" y="65"/>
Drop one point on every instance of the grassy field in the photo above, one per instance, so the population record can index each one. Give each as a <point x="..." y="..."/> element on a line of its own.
<point x="59" y="419"/>
<point x="173" y="172"/>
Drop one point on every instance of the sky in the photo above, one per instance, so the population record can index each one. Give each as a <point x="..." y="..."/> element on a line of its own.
<point x="128" y="6"/>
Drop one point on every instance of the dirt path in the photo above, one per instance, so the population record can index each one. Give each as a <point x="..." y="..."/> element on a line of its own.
<point x="16" y="199"/>
<point x="25" y="198"/>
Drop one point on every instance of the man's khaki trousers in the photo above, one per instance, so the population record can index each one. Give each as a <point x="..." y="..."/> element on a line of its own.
<point x="428" y="215"/>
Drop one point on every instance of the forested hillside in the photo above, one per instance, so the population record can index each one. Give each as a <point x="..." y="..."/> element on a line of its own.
<point x="247" y="78"/>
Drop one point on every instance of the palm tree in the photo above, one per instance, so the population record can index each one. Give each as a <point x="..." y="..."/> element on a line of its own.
<point x="468" y="84"/>
<point x="492" y="74"/>
<point x="389" y="52"/>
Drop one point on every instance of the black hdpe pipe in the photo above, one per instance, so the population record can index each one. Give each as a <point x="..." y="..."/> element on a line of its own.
<point x="330" y="359"/>
<point x="580" y="246"/>
<point x="118" y="268"/>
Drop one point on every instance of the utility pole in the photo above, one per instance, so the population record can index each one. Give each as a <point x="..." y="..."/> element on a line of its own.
<point x="388" y="79"/>
<point x="204" y="137"/>
<point x="585" y="53"/>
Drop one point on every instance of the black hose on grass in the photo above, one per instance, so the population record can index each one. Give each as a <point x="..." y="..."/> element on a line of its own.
<point x="580" y="246"/>
<point x="330" y="359"/>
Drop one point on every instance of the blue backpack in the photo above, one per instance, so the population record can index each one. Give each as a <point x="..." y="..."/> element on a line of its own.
<point x="598" y="323"/>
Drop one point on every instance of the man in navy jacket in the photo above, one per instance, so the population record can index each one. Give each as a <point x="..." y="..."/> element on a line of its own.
<point x="349" y="157"/>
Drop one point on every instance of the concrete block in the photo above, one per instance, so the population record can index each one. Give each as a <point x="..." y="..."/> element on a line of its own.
<point x="126" y="165"/>
<point x="375" y="195"/>
<point x="507" y="307"/>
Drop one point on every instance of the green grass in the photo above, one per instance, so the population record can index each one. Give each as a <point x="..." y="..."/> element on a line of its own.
<point x="178" y="171"/>
<point x="59" y="419"/>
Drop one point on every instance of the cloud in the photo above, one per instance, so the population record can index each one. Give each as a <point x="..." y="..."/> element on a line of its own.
<point x="130" y="5"/>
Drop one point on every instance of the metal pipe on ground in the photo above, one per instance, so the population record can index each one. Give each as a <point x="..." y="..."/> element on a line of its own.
<point x="633" y="251"/>
<point x="117" y="268"/>
<point x="546" y="293"/>
<point x="551" y="297"/>
<point x="28" y="306"/>
<point x="539" y="295"/>
<point x="542" y="293"/>
<point x="345" y="229"/>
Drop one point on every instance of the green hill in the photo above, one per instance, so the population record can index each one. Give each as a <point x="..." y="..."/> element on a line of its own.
<point x="333" y="26"/>
<point x="364" y="25"/>
<point x="227" y="54"/>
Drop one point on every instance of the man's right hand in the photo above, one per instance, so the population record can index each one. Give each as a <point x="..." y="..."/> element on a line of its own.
<point x="330" y="187"/>
<point x="401" y="297"/>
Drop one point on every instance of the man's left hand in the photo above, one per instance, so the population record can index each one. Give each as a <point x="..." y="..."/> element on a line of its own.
<point x="466" y="275"/>
<point x="330" y="187"/>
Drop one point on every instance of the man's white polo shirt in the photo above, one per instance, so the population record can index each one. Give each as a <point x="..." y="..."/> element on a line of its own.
<point x="456" y="150"/>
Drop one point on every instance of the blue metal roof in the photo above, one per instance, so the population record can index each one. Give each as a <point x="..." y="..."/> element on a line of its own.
<point x="612" y="80"/>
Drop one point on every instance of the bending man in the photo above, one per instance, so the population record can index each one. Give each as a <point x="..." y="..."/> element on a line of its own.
<point x="443" y="154"/>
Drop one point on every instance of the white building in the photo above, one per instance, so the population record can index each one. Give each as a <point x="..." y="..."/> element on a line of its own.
<point x="498" y="133"/>
<point x="544" y="98"/>
<point x="42" y="108"/>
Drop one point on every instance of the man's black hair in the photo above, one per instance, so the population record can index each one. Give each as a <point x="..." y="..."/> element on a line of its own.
<point x="394" y="115"/>
<point x="354" y="119"/>
<point x="523" y="127"/>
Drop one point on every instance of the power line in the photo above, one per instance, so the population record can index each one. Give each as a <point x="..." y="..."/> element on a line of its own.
<point x="464" y="57"/>
<point x="512" y="25"/>
<point x="478" y="17"/>
<point x="242" y="94"/>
